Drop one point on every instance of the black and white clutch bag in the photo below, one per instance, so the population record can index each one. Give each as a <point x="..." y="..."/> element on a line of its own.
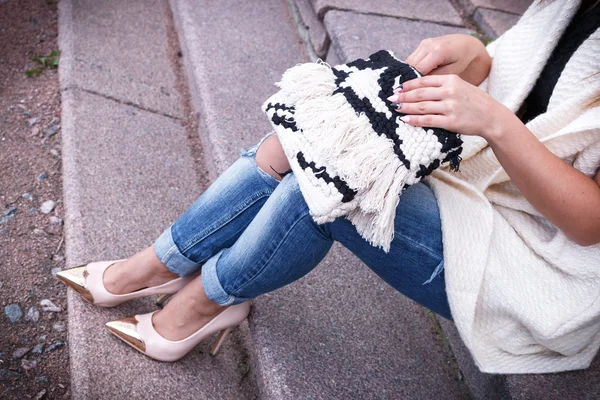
<point x="350" y="152"/>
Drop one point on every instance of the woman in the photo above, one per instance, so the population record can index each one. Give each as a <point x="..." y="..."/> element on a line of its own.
<point x="516" y="232"/>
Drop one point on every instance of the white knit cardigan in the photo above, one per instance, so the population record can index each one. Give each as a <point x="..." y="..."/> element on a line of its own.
<point x="525" y="298"/>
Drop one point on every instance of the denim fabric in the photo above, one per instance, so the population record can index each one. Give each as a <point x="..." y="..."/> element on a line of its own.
<point x="251" y="234"/>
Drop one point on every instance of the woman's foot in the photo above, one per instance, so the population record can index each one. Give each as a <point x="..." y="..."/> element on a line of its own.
<point x="140" y="271"/>
<point x="169" y="340"/>
<point x="187" y="312"/>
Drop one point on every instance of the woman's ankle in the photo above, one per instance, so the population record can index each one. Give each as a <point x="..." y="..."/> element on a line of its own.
<point x="187" y="312"/>
<point x="144" y="269"/>
<point x="161" y="277"/>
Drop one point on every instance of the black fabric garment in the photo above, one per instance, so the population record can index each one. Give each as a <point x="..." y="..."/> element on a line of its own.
<point x="584" y="23"/>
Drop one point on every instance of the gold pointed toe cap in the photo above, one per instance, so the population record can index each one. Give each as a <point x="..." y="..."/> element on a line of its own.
<point x="75" y="279"/>
<point x="126" y="330"/>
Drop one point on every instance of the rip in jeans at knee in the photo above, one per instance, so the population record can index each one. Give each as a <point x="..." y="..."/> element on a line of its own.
<point x="267" y="161"/>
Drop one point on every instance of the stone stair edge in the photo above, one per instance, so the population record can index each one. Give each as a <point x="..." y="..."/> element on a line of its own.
<point x="386" y="8"/>
<point x="100" y="364"/>
<point x="211" y="154"/>
<point x="489" y="19"/>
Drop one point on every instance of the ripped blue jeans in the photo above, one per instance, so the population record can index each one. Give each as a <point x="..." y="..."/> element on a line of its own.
<point x="250" y="234"/>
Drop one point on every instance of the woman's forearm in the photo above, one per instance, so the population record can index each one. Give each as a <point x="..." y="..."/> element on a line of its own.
<point x="565" y="196"/>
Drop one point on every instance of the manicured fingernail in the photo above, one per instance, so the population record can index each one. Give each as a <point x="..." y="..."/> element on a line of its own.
<point x="393" y="98"/>
<point x="398" y="89"/>
<point x="405" y="118"/>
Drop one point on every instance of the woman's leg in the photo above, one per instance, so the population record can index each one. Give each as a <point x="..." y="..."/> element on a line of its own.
<point x="414" y="264"/>
<point x="218" y="217"/>
<point x="283" y="243"/>
<point x="214" y="221"/>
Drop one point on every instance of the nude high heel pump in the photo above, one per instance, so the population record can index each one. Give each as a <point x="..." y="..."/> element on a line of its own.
<point x="139" y="333"/>
<point x="86" y="280"/>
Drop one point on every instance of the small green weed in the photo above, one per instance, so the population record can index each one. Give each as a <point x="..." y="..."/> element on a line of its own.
<point x="482" y="39"/>
<point x="49" y="61"/>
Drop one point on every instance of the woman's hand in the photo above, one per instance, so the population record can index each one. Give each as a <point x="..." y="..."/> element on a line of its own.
<point x="458" y="54"/>
<point x="563" y="194"/>
<point x="448" y="102"/>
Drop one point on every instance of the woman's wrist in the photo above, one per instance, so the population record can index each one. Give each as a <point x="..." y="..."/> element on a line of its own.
<point x="501" y="125"/>
<point x="479" y="68"/>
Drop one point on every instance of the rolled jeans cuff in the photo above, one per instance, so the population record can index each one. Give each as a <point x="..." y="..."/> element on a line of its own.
<point x="168" y="253"/>
<point x="211" y="284"/>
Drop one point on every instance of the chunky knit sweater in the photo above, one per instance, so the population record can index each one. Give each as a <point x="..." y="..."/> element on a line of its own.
<point x="525" y="298"/>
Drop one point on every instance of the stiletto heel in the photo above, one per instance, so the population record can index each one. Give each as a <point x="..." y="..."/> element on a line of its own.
<point x="162" y="299"/>
<point x="138" y="332"/>
<point x="86" y="280"/>
<point x="217" y="344"/>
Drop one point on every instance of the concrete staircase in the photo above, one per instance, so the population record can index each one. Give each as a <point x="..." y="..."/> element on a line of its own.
<point x="135" y="76"/>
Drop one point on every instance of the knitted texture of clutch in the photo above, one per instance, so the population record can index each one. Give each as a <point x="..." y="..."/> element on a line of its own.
<point x="351" y="153"/>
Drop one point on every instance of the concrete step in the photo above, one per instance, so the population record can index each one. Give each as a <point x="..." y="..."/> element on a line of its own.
<point x="119" y="52"/>
<point x="578" y="385"/>
<point x="342" y="333"/>
<point x="339" y="332"/>
<point x="310" y="15"/>
<point x="234" y="52"/>
<point x="128" y="173"/>
<point x="493" y="23"/>
<point x="355" y="35"/>
<point x="492" y="17"/>
<point x="516" y="7"/>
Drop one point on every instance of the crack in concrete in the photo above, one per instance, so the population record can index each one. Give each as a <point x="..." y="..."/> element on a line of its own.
<point x="121" y="101"/>
<point x="190" y="120"/>
<point x="449" y="353"/>
<point x="304" y="34"/>
<point x="467" y="11"/>
<point x="330" y="8"/>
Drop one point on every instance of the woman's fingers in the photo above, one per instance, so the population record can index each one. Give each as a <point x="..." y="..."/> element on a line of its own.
<point x="428" y="101"/>
<point x="438" y="121"/>
<point x="423" y="107"/>
<point x="427" y="63"/>
<point x="443" y="70"/>
<point x="416" y="55"/>
<point x="422" y="82"/>
<point x="417" y="95"/>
